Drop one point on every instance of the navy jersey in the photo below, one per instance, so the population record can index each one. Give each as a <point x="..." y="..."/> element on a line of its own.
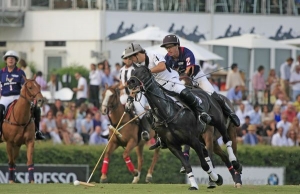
<point x="186" y="58"/>
<point x="11" y="82"/>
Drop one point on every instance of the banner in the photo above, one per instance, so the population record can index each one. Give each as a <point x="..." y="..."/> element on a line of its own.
<point x="47" y="173"/>
<point x="250" y="175"/>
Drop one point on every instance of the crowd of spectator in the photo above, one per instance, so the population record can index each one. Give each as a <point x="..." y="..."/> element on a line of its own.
<point x="271" y="113"/>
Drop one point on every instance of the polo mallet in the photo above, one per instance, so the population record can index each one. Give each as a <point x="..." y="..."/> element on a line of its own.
<point x="105" y="148"/>
<point x="111" y="139"/>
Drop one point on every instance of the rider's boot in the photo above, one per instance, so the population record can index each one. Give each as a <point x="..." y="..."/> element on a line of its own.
<point x="194" y="103"/>
<point x="146" y="128"/>
<point x="37" y="119"/>
<point x="158" y="144"/>
<point x="226" y="109"/>
<point x="2" y="109"/>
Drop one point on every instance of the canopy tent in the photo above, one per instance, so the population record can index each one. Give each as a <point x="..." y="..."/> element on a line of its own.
<point x="150" y="33"/>
<point x="295" y="41"/>
<point x="200" y="53"/>
<point x="251" y="42"/>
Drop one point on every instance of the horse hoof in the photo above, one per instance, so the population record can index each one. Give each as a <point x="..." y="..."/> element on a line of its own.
<point x="211" y="185"/>
<point x="237" y="166"/>
<point x="182" y="170"/>
<point x="193" y="188"/>
<point x="238" y="185"/>
<point x="103" y="181"/>
<point x="148" y="179"/>
<point x="219" y="182"/>
<point x="136" y="177"/>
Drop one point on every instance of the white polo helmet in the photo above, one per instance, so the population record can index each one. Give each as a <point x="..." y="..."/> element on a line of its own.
<point x="132" y="49"/>
<point x="11" y="54"/>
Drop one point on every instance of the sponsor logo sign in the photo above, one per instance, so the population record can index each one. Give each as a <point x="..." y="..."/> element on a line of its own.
<point x="47" y="173"/>
<point x="250" y="175"/>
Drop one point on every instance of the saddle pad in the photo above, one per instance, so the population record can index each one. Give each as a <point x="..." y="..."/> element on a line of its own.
<point x="9" y="109"/>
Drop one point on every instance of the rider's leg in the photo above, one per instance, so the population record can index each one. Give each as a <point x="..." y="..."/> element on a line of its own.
<point x="140" y="106"/>
<point x="195" y="104"/>
<point x="37" y="119"/>
<point x="2" y="109"/>
<point x="226" y="109"/>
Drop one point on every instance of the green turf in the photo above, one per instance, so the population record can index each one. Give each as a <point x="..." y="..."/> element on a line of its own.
<point x="140" y="189"/>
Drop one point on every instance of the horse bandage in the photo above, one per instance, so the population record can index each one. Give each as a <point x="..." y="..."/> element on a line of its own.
<point x="129" y="164"/>
<point x="104" y="169"/>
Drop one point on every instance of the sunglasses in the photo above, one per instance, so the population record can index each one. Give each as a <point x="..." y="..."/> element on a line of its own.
<point x="168" y="47"/>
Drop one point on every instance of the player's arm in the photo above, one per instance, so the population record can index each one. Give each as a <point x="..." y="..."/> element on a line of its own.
<point x="190" y="62"/>
<point x="160" y="63"/>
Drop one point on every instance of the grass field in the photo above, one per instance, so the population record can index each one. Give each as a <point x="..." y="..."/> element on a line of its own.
<point x="141" y="189"/>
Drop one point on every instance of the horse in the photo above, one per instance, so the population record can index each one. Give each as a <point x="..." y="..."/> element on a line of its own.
<point x="210" y="137"/>
<point x="131" y="136"/>
<point x="18" y="126"/>
<point x="176" y="125"/>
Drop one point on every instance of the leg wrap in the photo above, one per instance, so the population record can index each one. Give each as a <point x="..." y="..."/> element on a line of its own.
<point x="129" y="164"/>
<point x="12" y="171"/>
<point x="104" y="169"/>
<point x="30" y="172"/>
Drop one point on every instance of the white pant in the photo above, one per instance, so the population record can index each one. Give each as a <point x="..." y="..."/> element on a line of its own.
<point x="174" y="85"/>
<point x="139" y="106"/>
<point x="204" y="83"/>
<point x="55" y="138"/>
<point x="6" y="100"/>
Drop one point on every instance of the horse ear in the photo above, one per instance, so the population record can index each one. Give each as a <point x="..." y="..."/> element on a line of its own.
<point x="24" y="77"/>
<point x="34" y="77"/>
<point x="135" y="66"/>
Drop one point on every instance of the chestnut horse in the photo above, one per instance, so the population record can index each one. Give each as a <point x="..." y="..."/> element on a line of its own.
<point x="131" y="136"/>
<point x="210" y="137"/>
<point x="18" y="126"/>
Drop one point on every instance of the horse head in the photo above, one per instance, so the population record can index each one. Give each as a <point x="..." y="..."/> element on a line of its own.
<point x="110" y="98"/>
<point x="31" y="91"/>
<point x="139" y="79"/>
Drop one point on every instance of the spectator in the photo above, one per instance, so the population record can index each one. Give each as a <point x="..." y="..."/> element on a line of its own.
<point x="70" y="125"/>
<point x="234" y="78"/>
<point x="81" y="90"/>
<point x="241" y="113"/>
<point x="277" y="113"/>
<point x="116" y="73"/>
<point x="95" y="82"/>
<point x="292" y="138"/>
<point x="87" y="127"/>
<point x="266" y="115"/>
<point x="297" y="103"/>
<point x="53" y="85"/>
<point x="71" y="108"/>
<point x="259" y="85"/>
<point x="40" y="80"/>
<point x="251" y="138"/>
<point x="277" y="91"/>
<point x="272" y="80"/>
<point x="95" y="138"/>
<point x="212" y="81"/>
<point x="279" y="139"/>
<point x="25" y="68"/>
<point x="290" y="112"/>
<point x="97" y="119"/>
<point x="57" y="107"/>
<point x="235" y="95"/>
<point x="255" y="116"/>
<point x="207" y="68"/>
<point x="107" y="78"/>
<point x="281" y="102"/>
<point x="62" y="128"/>
<point x="295" y="82"/>
<point x="245" y="126"/>
<point x="295" y="125"/>
<point x="51" y="128"/>
<point x="284" y="124"/>
<point x="285" y="74"/>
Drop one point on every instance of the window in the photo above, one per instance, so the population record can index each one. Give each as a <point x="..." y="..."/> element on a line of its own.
<point x="55" y="43"/>
<point x="2" y="43"/>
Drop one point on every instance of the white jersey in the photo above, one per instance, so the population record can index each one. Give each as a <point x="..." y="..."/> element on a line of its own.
<point x="125" y="74"/>
<point x="164" y="76"/>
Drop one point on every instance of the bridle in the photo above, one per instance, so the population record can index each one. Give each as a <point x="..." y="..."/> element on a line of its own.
<point x="110" y="105"/>
<point x="28" y="93"/>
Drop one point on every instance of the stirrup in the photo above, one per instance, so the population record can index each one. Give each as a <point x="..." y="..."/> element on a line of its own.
<point x="145" y="135"/>
<point x="208" y="118"/>
<point x="156" y="145"/>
